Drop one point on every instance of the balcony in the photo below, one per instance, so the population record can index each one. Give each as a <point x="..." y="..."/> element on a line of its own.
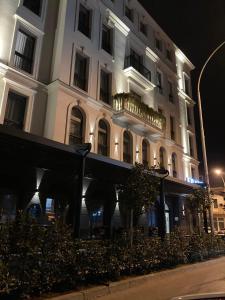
<point x="130" y="110"/>
<point x="138" y="72"/>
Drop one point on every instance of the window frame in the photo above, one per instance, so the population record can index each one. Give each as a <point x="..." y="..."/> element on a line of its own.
<point x="130" y="146"/>
<point x="107" y="134"/>
<point x="174" y="165"/>
<point x="172" y="128"/>
<point x="145" y="26"/>
<point x="187" y="90"/>
<point x="191" y="145"/>
<point x="159" y="87"/>
<point x="74" y="119"/>
<point x="146" y="162"/>
<point x="171" y="91"/>
<point x="158" y="40"/>
<point x="37" y="51"/>
<point x="164" y="165"/>
<point x="111" y="29"/>
<point x="91" y="17"/>
<point x="88" y="67"/>
<point x="131" y="12"/>
<point x="109" y="74"/>
<point x="24" y="91"/>
<point x="25" y="58"/>
<point x="41" y="8"/>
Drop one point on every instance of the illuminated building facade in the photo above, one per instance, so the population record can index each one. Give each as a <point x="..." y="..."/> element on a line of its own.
<point x="103" y="72"/>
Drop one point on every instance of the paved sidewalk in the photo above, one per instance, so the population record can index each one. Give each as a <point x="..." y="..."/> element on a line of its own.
<point x="202" y="277"/>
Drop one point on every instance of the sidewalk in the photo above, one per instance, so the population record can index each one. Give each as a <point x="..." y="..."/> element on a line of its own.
<point x="123" y="285"/>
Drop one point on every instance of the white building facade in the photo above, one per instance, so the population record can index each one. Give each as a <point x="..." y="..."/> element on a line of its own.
<point x="98" y="71"/>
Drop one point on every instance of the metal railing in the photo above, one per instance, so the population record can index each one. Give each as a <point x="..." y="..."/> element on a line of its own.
<point x="128" y="102"/>
<point x="132" y="61"/>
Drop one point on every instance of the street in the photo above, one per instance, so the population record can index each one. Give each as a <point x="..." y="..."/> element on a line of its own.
<point x="206" y="277"/>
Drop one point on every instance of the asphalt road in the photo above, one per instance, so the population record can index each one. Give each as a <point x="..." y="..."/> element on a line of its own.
<point x="206" y="277"/>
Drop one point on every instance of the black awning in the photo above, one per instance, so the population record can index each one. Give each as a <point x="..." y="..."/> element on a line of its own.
<point x="175" y="187"/>
<point x="19" y="149"/>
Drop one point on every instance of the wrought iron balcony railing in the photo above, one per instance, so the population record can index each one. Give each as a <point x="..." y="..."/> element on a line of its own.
<point x="131" y="61"/>
<point x="128" y="102"/>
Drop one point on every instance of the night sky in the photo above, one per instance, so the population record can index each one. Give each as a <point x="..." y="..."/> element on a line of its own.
<point x="197" y="27"/>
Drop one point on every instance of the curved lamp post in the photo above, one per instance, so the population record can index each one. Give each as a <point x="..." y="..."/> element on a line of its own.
<point x="202" y="125"/>
<point x="162" y="174"/>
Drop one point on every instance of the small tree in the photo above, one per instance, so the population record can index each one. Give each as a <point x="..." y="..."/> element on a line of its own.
<point x="138" y="193"/>
<point x="200" y="201"/>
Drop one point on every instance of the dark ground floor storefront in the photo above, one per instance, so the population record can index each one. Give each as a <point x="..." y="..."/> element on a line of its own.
<point x="43" y="177"/>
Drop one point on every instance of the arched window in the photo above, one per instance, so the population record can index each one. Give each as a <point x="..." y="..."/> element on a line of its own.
<point x="127" y="147"/>
<point x="76" y="127"/>
<point x="174" y="165"/>
<point x="145" y="153"/>
<point x="162" y="158"/>
<point x="103" y="138"/>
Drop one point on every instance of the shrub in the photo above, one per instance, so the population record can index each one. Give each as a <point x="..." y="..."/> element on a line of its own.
<point x="36" y="259"/>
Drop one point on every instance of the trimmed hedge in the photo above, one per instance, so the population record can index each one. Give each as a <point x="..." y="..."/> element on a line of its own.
<point x="36" y="259"/>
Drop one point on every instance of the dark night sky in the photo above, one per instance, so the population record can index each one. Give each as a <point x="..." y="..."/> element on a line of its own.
<point x="197" y="27"/>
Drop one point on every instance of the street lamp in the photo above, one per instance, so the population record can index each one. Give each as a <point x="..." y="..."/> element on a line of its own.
<point x="202" y="125"/>
<point x="162" y="174"/>
<point x="75" y="206"/>
<point x="220" y="173"/>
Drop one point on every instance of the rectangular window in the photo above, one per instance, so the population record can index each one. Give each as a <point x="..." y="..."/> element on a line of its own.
<point x="169" y="54"/>
<point x="143" y="28"/>
<point x="215" y="224"/>
<point x="33" y="5"/>
<point x="172" y="131"/>
<point x="191" y="146"/>
<point x="84" y="24"/>
<point x="105" y="87"/>
<point x="160" y="111"/>
<point x="170" y="85"/>
<point x="24" y="51"/>
<point x="81" y="72"/>
<point x="15" y="110"/>
<point x="129" y="13"/>
<point x="192" y="172"/>
<point x="159" y="82"/>
<point x="215" y="203"/>
<point x="189" y="113"/>
<point x="107" y="39"/>
<point x="186" y="84"/>
<point x="221" y="223"/>
<point x="158" y="44"/>
<point x="136" y="96"/>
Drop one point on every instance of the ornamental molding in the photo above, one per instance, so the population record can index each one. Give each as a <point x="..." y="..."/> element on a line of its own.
<point x="114" y="20"/>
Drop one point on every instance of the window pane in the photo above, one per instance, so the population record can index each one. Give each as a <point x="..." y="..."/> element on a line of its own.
<point x="33" y="5"/>
<point x="105" y="87"/>
<point x="145" y="146"/>
<point x="129" y="13"/>
<point x="76" y="127"/>
<point x="24" y="51"/>
<point x="127" y="148"/>
<point x="107" y="39"/>
<point x="15" y="110"/>
<point x="84" y="21"/>
<point x="103" y="138"/>
<point x="81" y="72"/>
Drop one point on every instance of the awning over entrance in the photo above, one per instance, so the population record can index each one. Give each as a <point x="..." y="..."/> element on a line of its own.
<point x="20" y="149"/>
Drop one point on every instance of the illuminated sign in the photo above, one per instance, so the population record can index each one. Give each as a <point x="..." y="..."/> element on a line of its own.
<point x="195" y="181"/>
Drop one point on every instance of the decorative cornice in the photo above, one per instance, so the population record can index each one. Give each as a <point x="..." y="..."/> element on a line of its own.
<point x="186" y="97"/>
<point x="117" y="22"/>
<point x="180" y="55"/>
<point x="152" y="55"/>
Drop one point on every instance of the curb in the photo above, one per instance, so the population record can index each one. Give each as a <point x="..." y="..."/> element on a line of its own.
<point x="100" y="291"/>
